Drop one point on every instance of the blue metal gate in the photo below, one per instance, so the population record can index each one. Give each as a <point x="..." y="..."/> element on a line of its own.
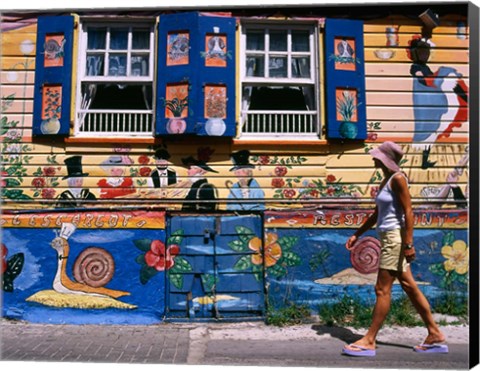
<point x="217" y="269"/>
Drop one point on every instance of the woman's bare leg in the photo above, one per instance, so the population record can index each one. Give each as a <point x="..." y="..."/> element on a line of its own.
<point x="383" y="290"/>
<point x="422" y="306"/>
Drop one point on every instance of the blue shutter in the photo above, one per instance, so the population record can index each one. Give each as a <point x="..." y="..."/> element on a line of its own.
<point x="345" y="80"/>
<point x="196" y="56"/>
<point x="53" y="76"/>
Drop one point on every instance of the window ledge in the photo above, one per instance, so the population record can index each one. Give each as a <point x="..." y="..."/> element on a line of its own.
<point x="283" y="142"/>
<point x="74" y="140"/>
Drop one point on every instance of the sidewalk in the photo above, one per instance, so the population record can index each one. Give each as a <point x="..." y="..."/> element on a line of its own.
<point x="246" y="344"/>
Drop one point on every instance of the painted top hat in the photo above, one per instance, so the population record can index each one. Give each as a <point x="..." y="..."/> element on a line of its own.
<point x="240" y="160"/>
<point x="161" y="154"/>
<point x="190" y="161"/>
<point x="74" y="167"/>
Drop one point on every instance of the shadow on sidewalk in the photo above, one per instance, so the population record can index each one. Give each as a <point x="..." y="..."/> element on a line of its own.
<point x="348" y="336"/>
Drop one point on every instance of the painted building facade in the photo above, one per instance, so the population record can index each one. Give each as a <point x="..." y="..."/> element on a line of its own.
<point x="202" y="164"/>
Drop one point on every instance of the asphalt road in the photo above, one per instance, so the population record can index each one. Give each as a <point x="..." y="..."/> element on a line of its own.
<point x="249" y="344"/>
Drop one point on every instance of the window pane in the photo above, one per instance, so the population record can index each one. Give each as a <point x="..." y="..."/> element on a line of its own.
<point x="119" y="39"/>
<point x="301" y="67"/>
<point x="277" y="67"/>
<point x="117" y="65"/>
<point x="141" y="39"/>
<point x="139" y="65"/>
<point x="95" y="65"/>
<point x="300" y="41"/>
<point x="115" y="96"/>
<point x="256" y="66"/>
<point x="255" y="40"/>
<point x="278" y="41"/>
<point x="96" y="38"/>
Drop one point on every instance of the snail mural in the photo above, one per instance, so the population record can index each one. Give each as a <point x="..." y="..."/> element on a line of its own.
<point x="92" y="270"/>
<point x="365" y="255"/>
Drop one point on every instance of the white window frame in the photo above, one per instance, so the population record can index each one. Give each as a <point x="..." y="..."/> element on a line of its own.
<point x="313" y="80"/>
<point x="128" y="78"/>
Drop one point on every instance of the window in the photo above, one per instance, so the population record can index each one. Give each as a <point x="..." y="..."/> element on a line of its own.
<point x="279" y="81"/>
<point x="115" y="80"/>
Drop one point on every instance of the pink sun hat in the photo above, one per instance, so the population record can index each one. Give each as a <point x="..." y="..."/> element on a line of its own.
<point x="390" y="154"/>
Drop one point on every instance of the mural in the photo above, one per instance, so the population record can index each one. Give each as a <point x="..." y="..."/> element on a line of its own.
<point x="440" y="98"/>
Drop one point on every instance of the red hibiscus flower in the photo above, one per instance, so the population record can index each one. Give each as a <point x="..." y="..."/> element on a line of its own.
<point x="49" y="171"/>
<point x="278" y="182"/>
<point x="264" y="160"/>
<point x="38" y="182"/>
<point x="372" y="136"/>
<point x="4" y="258"/>
<point x="145" y="171"/>
<point x="289" y="193"/>
<point x="159" y="257"/>
<point x="330" y="191"/>
<point x="314" y="193"/>
<point x="143" y="160"/>
<point x="48" y="193"/>
<point x="331" y="178"/>
<point x="280" y="171"/>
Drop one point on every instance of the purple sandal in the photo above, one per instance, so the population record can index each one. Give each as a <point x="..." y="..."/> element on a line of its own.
<point x="361" y="352"/>
<point x="431" y="348"/>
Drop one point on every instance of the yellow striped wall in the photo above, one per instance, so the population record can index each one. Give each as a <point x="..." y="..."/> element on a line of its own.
<point x="284" y="170"/>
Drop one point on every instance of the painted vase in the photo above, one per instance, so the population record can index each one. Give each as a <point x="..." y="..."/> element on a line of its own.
<point x="176" y="125"/>
<point x="215" y="127"/>
<point x="50" y="126"/>
<point x="348" y="130"/>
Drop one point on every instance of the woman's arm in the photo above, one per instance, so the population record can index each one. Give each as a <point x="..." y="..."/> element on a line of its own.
<point x="369" y="223"/>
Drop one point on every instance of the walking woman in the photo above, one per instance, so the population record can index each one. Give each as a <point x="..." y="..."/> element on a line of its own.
<point x="393" y="217"/>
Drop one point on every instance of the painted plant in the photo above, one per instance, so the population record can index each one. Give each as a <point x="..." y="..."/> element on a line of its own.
<point x="46" y="179"/>
<point x="276" y="256"/>
<point x="10" y="268"/>
<point x="158" y="257"/>
<point x="453" y="270"/>
<point x="13" y="163"/>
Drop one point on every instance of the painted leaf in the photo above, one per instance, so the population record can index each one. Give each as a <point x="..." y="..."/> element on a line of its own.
<point x="437" y="269"/>
<point x="208" y="281"/>
<point x="176" y="238"/>
<point x="244" y="233"/>
<point x="176" y="279"/>
<point x="291" y="259"/>
<point x="243" y="263"/>
<point x="277" y="271"/>
<point x="146" y="273"/>
<point x="238" y="245"/>
<point x="181" y="266"/>
<point x="7" y="284"/>
<point x="448" y="239"/>
<point x="143" y="244"/>
<point x="140" y="259"/>
<point x="287" y="242"/>
<point x="14" y="265"/>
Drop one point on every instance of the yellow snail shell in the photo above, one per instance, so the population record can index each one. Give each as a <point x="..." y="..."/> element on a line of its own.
<point x="94" y="267"/>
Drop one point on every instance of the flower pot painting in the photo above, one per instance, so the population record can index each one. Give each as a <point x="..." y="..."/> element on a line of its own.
<point x="176" y="108"/>
<point x="215" y="109"/>
<point x="344" y="54"/>
<point x="347" y="112"/>
<point x="54" y="50"/>
<point x="51" y="109"/>
<point x="178" y="45"/>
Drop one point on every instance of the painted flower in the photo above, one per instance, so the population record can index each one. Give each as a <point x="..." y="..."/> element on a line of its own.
<point x="145" y="171"/>
<point x="374" y="191"/>
<point x="278" y="182"/>
<point x="314" y="193"/>
<point x="264" y="160"/>
<point x="143" y="160"/>
<point x="4" y="258"/>
<point x="273" y="250"/>
<point x="3" y="183"/>
<point x="48" y="193"/>
<point x="457" y="256"/>
<point x="49" y="171"/>
<point x="13" y="151"/>
<point x="14" y="134"/>
<point x="159" y="257"/>
<point x="289" y="193"/>
<point x="280" y="171"/>
<point x="331" y="191"/>
<point x="331" y="178"/>
<point x="372" y="136"/>
<point x="38" y="182"/>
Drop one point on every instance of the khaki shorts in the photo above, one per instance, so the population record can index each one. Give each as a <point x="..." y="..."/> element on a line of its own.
<point x="391" y="256"/>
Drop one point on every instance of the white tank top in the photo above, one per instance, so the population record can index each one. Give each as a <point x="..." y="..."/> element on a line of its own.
<point x="390" y="211"/>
